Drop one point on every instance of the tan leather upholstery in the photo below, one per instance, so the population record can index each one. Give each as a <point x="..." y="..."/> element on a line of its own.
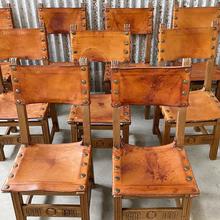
<point x="53" y="168"/>
<point x="152" y="171"/>
<point x="101" y="111"/>
<point x="203" y="106"/>
<point x="8" y="108"/>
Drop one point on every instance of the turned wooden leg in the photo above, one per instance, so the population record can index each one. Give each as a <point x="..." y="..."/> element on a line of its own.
<point x="117" y="208"/>
<point x="53" y="114"/>
<point x="84" y="203"/>
<point x="214" y="146"/>
<point x="2" y="154"/>
<point x="125" y="132"/>
<point x="186" y="208"/>
<point x="166" y="133"/>
<point x="17" y="203"/>
<point x="46" y="132"/>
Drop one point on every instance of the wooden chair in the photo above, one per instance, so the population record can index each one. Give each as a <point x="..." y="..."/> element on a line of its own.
<point x="59" y="169"/>
<point x="152" y="172"/>
<point x="197" y="17"/>
<point x="141" y="23"/>
<point x="102" y="46"/>
<point x="23" y="43"/>
<point x="203" y="109"/>
<point x="6" y="22"/>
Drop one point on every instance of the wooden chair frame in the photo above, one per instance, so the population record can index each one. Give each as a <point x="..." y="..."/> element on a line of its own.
<point x="183" y="204"/>
<point x="25" y="209"/>
<point x="198" y="17"/>
<point x="205" y="138"/>
<point x="76" y="127"/>
<point x="11" y="125"/>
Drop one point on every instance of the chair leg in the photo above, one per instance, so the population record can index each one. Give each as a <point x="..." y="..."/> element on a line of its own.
<point x="118" y="208"/>
<point x="186" y="208"/>
<point x="147" y="112"/>
<point x="214" y="146"/>
<point x="217" y="93"/>
<point x="156" y="119"/>
<point x="17" y="203"/>
<point x="2" y="154"/>
<point x="166" y="133"/>
<point x="46" y="132"/>
<point x="125" y="132"/>
<point x="53" y="114"/>
<point x="74" y="132"/>
<point x="84" y="203"/>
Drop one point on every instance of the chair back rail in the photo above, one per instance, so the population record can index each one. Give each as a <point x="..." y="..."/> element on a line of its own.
<point x="6" y="20"/>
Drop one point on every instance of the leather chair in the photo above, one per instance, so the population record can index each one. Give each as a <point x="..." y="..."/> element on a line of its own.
<point x="6" y="22"/>
<point x="30" y="43"/>
<point x="102" y="46"/>
<point x="203" y="109"/>
<point x="198" y="17"/>
<point x="51" y="169"/>
<point x="141" y="24"/>
<point x="152" y="172"/>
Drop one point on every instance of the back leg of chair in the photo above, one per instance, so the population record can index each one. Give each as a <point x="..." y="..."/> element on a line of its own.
<point x="147" y="112"/>
<point x="84" y="203"/>
<point x="2" y="154"/>
<point x="156" y="120"/>
<point x="214" y="146"/>
<point x="118" y="208"/>
<point x="74" y="132"/>
<point x="46" y="131"/>
<point x="166" y="133"/>
<point x="125" y="131"/>
<point x="17" y="203"/>
<point x="186" y="203"/>
<point x="54" y="117"/>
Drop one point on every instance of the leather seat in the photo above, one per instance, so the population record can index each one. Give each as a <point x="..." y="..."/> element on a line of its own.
<point x="203" y="106"/>
<point x="152" y="171"/>
<point x="53" y="168"/>
<point x="8" y="109"/>
<point x="101" y="111"/>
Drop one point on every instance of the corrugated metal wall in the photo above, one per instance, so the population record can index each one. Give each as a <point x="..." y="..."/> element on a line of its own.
<point x="25" y="16"/>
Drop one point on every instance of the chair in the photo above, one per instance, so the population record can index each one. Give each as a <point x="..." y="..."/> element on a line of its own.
<point x="141" y="23"/>
<point x="30" y="43"/>
<point x="197" y="17"/>
<point x="96" y="47"/>
<point x="6" y="22"/>
<point x="59" y="169"/>
<point x="203" y="109"/>
<point x="152" y="172"/>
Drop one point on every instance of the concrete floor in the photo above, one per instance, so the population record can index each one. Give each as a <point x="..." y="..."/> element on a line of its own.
<point x="207" y="173"/>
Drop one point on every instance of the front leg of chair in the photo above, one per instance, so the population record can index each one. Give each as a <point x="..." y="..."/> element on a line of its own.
<point x="84" y="203"/>
<point x="2" y="154"/>
<point x="53" y="114"/>
<point x="118" y="208"/>
<point x="186" y="203"/>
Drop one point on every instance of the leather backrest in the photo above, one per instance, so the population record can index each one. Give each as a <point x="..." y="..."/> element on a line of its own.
<point x="199" y="43"/>
<point x="51" y="84"/>
<point x="140" y="19"/>
<point x="168" y="86"/>
<point x="59" y="20"/>
<point x="23" y="43"/>
<point x="196" y="17"/>
<point x="101" y="46"/>
<point x="6" y="21"/>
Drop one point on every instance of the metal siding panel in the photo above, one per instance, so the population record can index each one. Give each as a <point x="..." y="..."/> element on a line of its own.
<point x="25" y="16"/>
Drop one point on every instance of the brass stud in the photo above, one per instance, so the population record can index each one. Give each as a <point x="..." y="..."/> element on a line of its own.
<point x="162" y="51"/>
<point x="115" y="81"/>
<point x="17" y="90"/>
<point x="73" y="33"/>
<point x="116" y="92"/>
<point x="82" y="175"/>
<point x="162" y="41"/>
<point x="186" y="168"/>
<point x="83" y="68"/>
<point x="82" y="187"/>
<point x="117" y="167"/>
<point x="213" y="47"/>
<point x="185" y="81"/>
<point x="84" y="92"/>
<point x="126" y="33"/>
<point x="11" y="175"/>
<point x="75" y="52"/>
<point x="15" y="80"/>
<point x="41" y="30"/>
<point x="125" y="51"/>
<point x="43" y="40"/>
<point x="184" y="93"/>
<point x="18" y="101"/>
<point x="187" y="70"/>
<point x="176" y="18"/>
<point x="117" y="190"/>
<point x="13" y="68"/>
<point x="83" y="81"/>
<point x="15" y="165"/>
<point x="117" y="178"/>
<point x="85" y="154"/>
<point x="6" y="187"/>
<point x="126" y="43"/>
<point x="44" y="49"/>
<point x="84" y="164"/>
<point x="175" y="25"/>
<point x="125" y="113"/>
<point x="189" y="178"/>
<point x="117" y="158"/>
<point x="179" y="148"/>
<point x="20" y="155"/>
<point x="214" y="38"/>
<point x="86" y="102"/>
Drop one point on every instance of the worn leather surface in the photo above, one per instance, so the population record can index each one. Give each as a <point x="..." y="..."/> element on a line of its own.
<point x="196" y="17"/>
<point x="153" y="86"/>
<point x="23" y="43"/>
<point x="63" y="87"/>
<point x="53" y="168"/>
<point x="203" y="106"/>
<point x="101" y="111"/>
<point x="189" y="43"/>
<point x="6" y="18"/>
<point x="152" y="171"/>
<point x="8" y="108"/>
<point x="101" y="46"/>
<point x="58" y="20"/>
<point x="140" y="19"/>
